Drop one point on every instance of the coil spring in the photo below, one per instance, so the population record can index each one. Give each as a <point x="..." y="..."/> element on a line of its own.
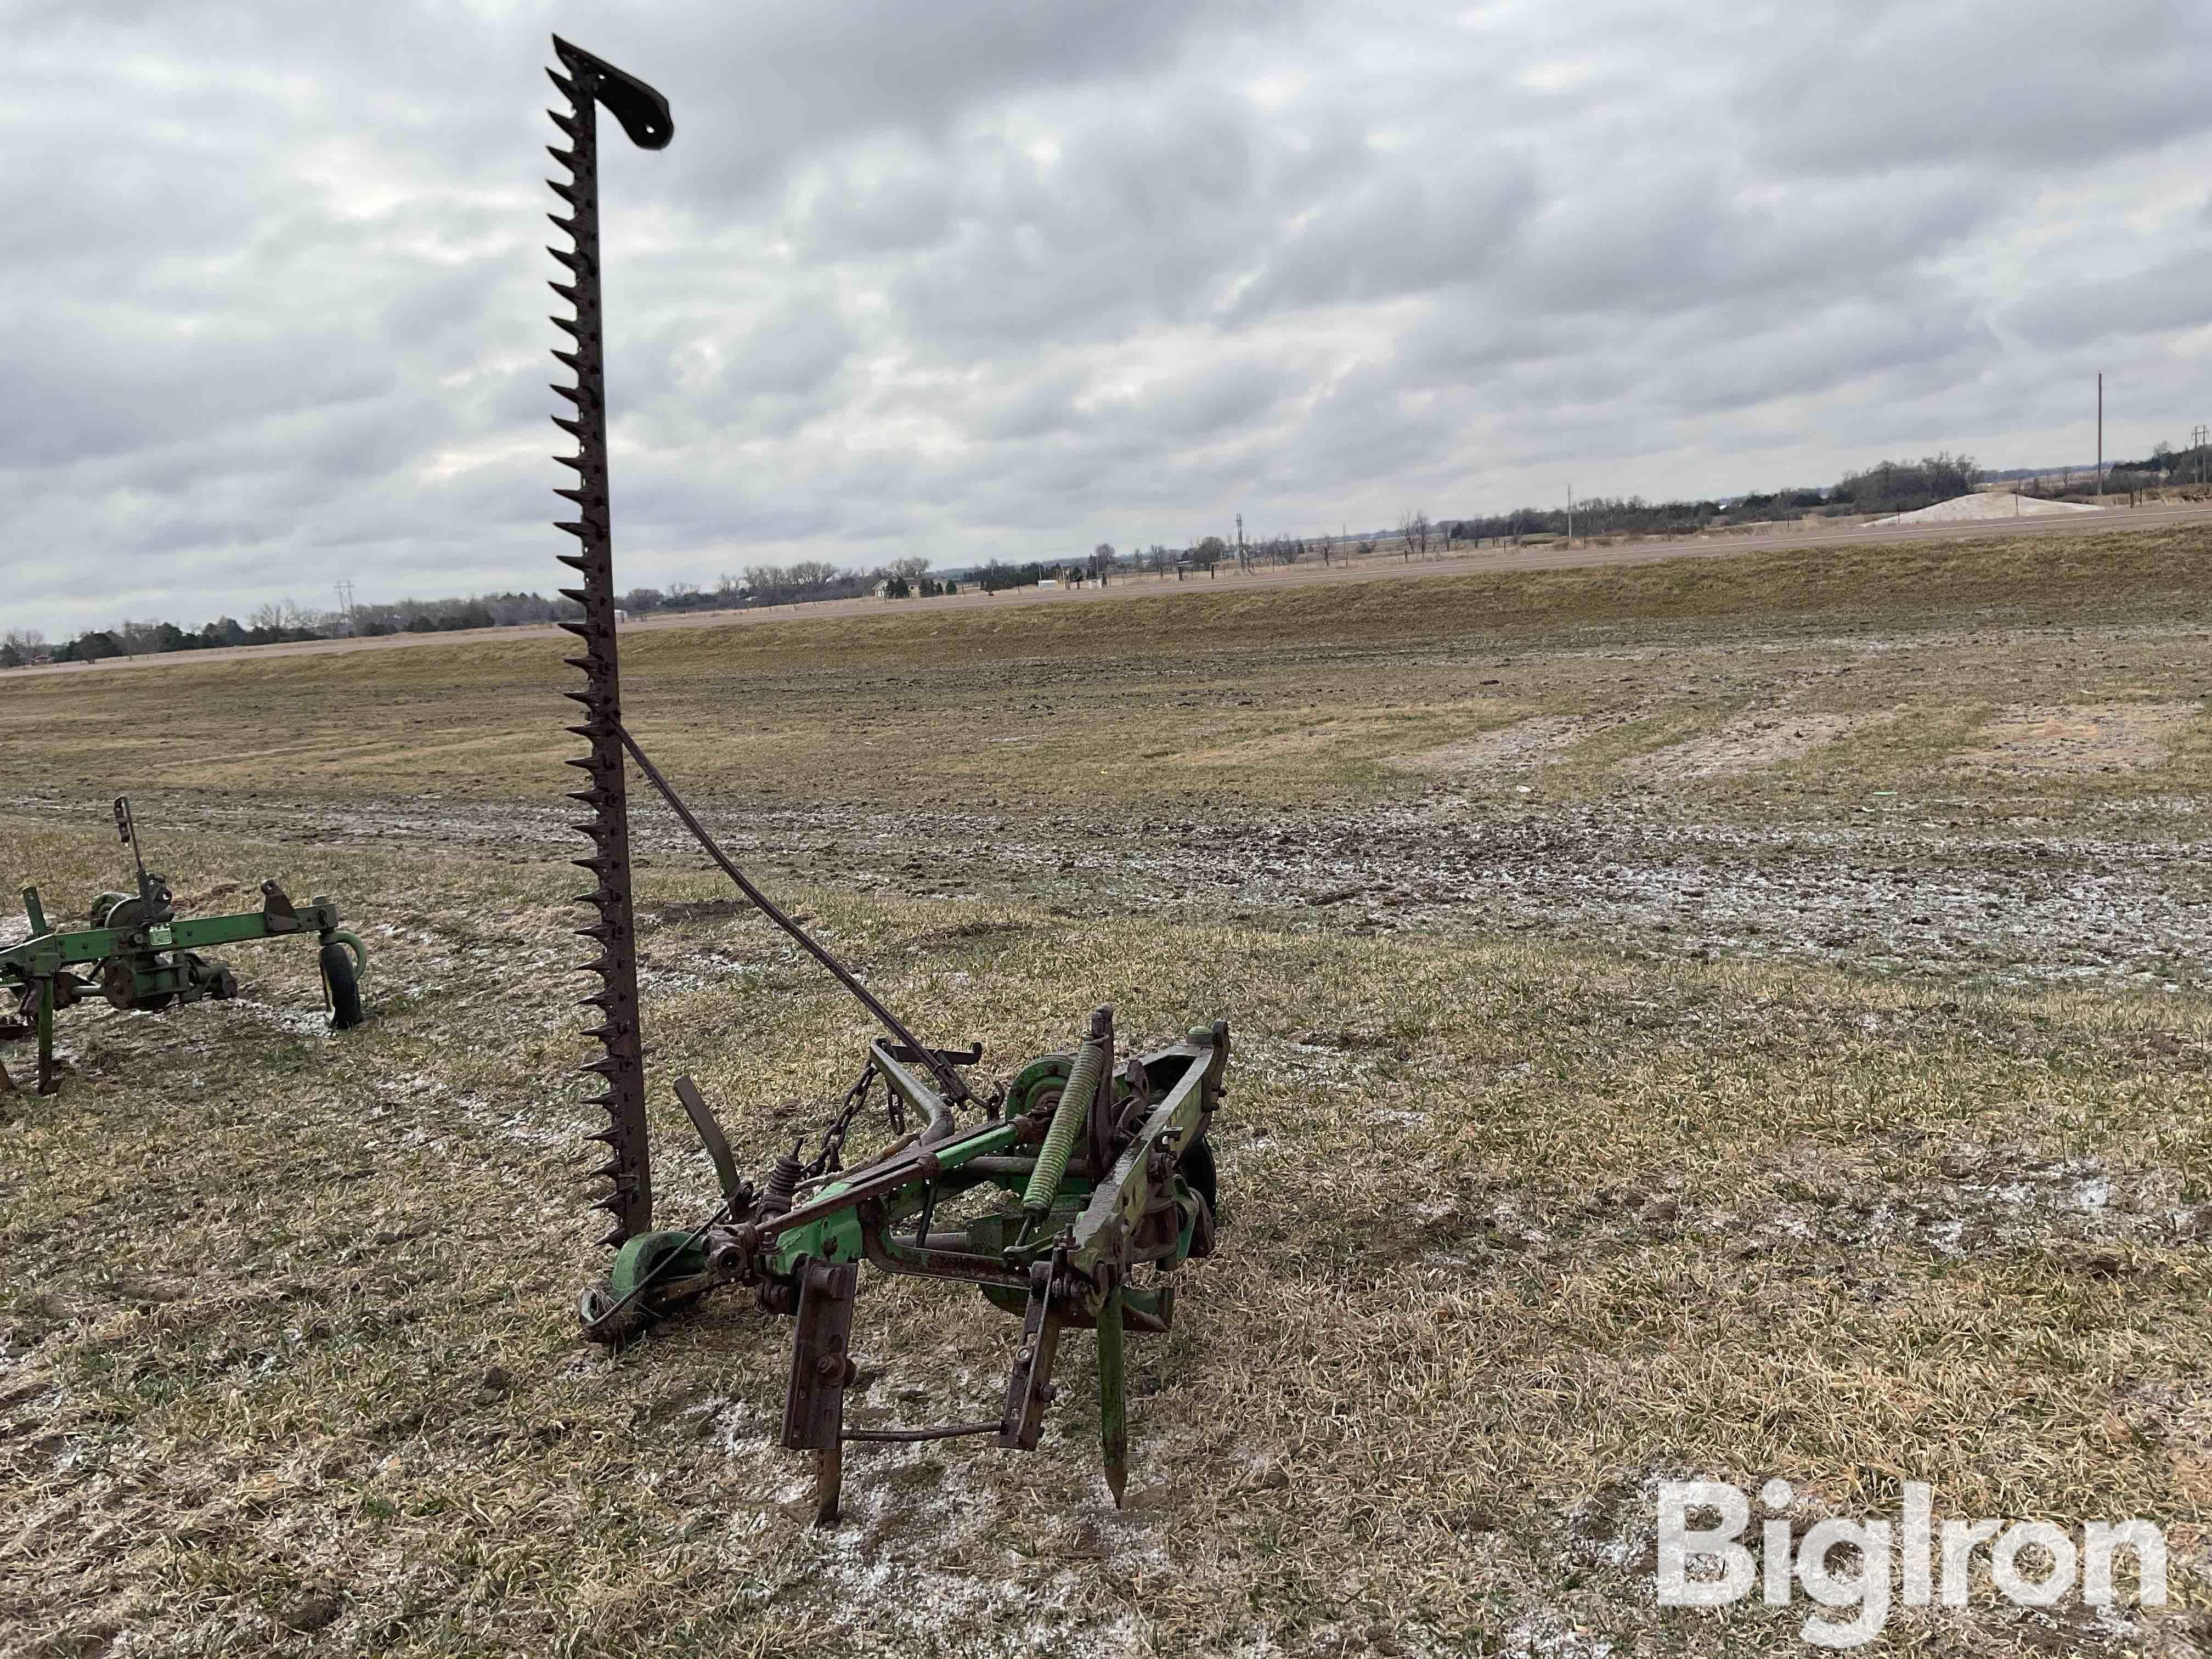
<point x="1067" y="1121"/>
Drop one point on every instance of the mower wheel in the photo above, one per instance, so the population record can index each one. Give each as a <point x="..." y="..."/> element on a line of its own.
<point x="1199" y="1176"/>
<point x="341" y="986"/>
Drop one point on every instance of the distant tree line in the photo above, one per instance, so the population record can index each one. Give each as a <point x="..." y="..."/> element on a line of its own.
<point x="1905" y="486"/>
<point x="284" y="622"/>
<point x="2163" y="468"/>
<point x="1886" y="487"/>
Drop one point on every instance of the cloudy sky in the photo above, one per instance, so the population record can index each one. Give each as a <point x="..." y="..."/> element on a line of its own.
<point x="972" y="277"/>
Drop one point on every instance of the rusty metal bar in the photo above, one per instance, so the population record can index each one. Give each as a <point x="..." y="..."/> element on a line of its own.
<point x="955" y="1086"/>
<point x="950" y="1431"/>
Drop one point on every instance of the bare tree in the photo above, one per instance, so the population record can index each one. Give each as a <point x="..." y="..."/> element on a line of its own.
<point x="1416" y="529"/>
<point x="1324" y="544"/>
<point x="908" y="567"/>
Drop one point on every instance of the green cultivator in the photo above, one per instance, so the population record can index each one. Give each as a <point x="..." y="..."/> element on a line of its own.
<point x="138" y="953"/>
<point x="1072" y="1190"/>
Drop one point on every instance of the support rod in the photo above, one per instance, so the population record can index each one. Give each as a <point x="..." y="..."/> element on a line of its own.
<point x="950" y="1431"/>
<point x="955" y="1086"/>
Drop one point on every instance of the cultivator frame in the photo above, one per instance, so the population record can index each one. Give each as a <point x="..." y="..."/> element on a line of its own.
<point x="1102" y="1173"/>
<point x="147" y="958"/>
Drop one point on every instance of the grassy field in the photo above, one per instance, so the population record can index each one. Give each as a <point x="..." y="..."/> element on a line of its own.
<point x="1515" y="1226"/>
<point x="1299" y="695"/>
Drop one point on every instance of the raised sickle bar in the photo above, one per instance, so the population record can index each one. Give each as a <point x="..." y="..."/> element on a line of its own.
<point x="588" y="83"/>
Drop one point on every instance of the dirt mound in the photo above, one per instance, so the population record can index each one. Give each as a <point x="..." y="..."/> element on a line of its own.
<point x="1988" y="504"/>
<point x="2093" y="737"/>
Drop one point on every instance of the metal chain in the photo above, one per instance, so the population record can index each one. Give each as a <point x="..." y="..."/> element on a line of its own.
<point x="832" y="1157"/>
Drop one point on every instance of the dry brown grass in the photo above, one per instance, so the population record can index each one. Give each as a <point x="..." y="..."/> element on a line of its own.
<point x="1513" y="1228"/>
<point x="1510" y="1232"/>
<point x="1298" y="695"/>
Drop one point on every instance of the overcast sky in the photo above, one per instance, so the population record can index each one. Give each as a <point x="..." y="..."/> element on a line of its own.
<point x="971" y="278"/>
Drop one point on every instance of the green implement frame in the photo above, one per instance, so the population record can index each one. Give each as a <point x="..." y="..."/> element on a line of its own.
<point x="1104" y="1181"/>
<point x="141" y="955"/>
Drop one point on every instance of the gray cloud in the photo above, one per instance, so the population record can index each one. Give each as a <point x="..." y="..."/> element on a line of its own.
<point x="992" y="277"/>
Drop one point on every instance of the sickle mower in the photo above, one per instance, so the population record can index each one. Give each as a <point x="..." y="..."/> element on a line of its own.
<point x="1076" y="1186"/>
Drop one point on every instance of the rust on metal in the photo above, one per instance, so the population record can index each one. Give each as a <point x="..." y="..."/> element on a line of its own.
<point x="619" y="1065"/>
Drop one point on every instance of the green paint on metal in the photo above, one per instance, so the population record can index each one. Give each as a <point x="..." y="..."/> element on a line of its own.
<point x="1067" y="1119"/>
<point x="142" y="955"/>
<point x="1113" y="1396"/>
<point x="656" y="1257"/>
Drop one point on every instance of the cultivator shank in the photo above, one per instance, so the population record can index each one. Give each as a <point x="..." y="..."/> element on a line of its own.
<point x="1089" y="1175"/>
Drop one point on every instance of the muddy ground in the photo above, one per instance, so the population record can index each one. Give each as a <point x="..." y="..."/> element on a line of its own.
<point x="1899" y="892"/>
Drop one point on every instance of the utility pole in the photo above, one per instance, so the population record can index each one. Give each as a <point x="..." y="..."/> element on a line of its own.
<point x="1570" y="515"/>
<point x="2101" y="440"/>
